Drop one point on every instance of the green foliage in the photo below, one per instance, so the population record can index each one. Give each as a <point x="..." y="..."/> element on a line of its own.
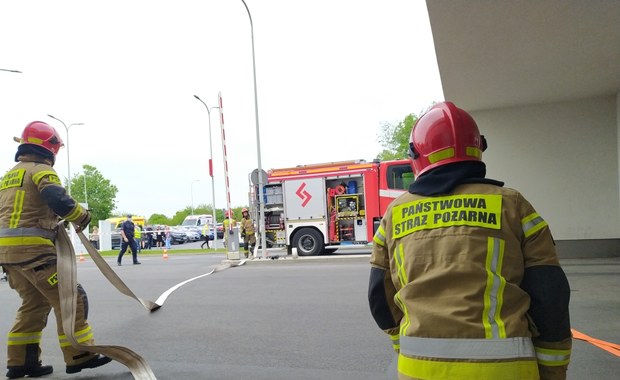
<point x="395" y="138"/>
<point x="159" y="219"/>
<point x="180" y="215"/>
<point x="93" y="188"/>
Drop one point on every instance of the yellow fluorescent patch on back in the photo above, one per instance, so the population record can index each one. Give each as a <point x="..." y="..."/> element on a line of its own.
<point x="476" y="210"/>
<point x="14" y="178"/>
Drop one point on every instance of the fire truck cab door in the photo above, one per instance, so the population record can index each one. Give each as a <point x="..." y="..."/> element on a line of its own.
<point x="305" y="199"/>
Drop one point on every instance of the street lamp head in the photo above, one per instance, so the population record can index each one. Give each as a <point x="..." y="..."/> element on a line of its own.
<point x="196" y="96"/>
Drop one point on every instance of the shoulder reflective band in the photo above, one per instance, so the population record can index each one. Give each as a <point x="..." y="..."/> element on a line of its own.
<point x="532" y="223"/>
<point x="475" y="210"/>
<point x="379" y="237"/>
<point x="52" y="177"/>
<point x="475" y="349"/>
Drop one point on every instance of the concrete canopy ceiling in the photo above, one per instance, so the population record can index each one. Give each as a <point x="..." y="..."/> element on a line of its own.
<point x="500" y="53"/>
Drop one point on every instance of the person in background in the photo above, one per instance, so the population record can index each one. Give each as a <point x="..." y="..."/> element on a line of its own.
<point x="138" y="237"/>
<point x="32" y="202"/>
<point x="128" y="240"/>
<point x="167" y="237"/>
<point x="227" y="225"/>
<point x="159" y="235"/>
<point x="247" y="232"/>
<point x="205" y="233"/>
<point x="149" y="237"/>
<point x="464" y="273"/>
<point x="94" y="237"/>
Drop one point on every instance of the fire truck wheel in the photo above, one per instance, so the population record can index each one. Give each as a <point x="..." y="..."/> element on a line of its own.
<point x="309" y="242"/>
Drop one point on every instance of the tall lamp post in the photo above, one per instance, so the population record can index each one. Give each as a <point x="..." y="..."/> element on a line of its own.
<point x="192" y="193"/>
<point x="85" y="191"/>
<point x="211" y="168"/>
<point x="68" y="160"/>
<point x="261" y="216"/>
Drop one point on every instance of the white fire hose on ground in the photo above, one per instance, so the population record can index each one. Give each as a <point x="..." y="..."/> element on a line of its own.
<point x="67" y="285"/>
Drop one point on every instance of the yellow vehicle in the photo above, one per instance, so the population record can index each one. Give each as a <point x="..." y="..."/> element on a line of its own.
<point x="117" y="221"/>
<point x="115" y="224"/>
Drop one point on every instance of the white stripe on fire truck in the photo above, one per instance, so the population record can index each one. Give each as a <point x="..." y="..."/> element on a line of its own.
<point x="391" y="193"/>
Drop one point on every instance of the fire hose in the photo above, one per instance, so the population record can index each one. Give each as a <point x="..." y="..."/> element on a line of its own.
<point x="67" y="286"/>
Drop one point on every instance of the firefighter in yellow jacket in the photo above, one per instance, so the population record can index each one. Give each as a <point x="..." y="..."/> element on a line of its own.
<point x="464" y="274"/>
<point x="227" y="225"/>
<point x="32" y="201"/>
<point x="247" y="232"/>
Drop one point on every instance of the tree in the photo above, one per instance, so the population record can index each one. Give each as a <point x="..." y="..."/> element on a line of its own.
<point x="92" y="188"/>
<point x="395" y="138"/>
<point x="159" y="219"/>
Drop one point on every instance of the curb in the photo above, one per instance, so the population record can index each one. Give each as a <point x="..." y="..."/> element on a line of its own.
<point x="304" y="260"/>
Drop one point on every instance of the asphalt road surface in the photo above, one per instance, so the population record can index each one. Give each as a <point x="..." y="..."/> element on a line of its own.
<point x="303" y="319"/>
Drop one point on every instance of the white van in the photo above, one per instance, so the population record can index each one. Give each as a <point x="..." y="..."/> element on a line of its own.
<point x="196" y="222"/>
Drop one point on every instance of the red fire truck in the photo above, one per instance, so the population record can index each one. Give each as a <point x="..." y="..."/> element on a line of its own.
<point x="321" y="207"/>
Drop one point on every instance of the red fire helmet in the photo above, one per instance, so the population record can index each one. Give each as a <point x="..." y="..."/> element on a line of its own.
<point x="43" y="135"/>
<point x="443" y="135"/>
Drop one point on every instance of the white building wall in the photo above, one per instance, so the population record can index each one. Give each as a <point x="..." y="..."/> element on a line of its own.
<point x="565" y="159"/>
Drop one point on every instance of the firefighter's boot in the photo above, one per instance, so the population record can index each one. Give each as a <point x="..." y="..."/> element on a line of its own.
<point x="15" y="372"/>
<point x="96" y="361"/>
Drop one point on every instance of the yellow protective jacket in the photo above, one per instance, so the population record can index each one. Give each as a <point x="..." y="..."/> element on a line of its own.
<point x="137" y="232"/>
<point x="458" y="282"/>
<point x="247" y="226"/>
<point x="228" y="222"/>
<point x="32" y="201"/>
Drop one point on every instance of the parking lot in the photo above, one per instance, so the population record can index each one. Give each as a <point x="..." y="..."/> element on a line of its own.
<point x="303" y="318"/>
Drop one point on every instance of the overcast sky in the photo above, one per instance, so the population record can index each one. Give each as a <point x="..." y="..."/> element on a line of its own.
<point x="329" y="74"/>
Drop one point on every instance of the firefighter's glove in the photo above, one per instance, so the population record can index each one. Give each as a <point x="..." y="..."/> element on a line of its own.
<point x="82" y="223"/>
<point x="243" y="235"/>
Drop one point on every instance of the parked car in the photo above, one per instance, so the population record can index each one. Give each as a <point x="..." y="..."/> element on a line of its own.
<point x="220" y="230"/>
<point x="116" y="239"/>
<point x="178" y="237"/>
<point x="193" y="234"/>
